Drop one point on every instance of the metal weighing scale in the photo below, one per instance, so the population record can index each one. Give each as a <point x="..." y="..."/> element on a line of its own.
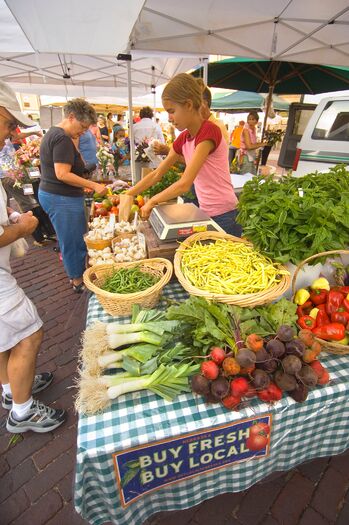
<point x="176" y="221"/>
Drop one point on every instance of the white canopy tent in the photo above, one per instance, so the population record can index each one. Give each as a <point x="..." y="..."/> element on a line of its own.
<point x="41" y="39"/>
<point x="297" y="30"/>
<point x="71" y="49"/>
<point x="74" y="42"/>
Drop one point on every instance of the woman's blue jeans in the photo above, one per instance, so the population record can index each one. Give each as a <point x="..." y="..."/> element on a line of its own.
<point x="67" y="215"/>
<point x="227" y="221"/>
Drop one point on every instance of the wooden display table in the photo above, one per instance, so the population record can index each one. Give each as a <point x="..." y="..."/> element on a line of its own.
<point x="155" y="247"/>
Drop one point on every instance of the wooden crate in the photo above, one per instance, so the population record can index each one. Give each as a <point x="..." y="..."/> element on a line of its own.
<point x="155" y="247"/>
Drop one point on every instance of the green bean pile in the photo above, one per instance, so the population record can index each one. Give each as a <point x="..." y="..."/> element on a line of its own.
<point x="129" y="280"/>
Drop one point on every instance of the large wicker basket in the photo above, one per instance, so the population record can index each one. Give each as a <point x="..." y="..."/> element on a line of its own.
<point x="328" y="346"/>
<point x="121" y="304"/>
<point x="248" y="300"/>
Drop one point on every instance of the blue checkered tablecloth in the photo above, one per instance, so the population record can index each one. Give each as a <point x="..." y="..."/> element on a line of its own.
<point x="300" y="432"/>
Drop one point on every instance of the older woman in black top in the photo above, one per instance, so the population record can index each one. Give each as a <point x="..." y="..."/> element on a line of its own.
<point x="61" y="191"/>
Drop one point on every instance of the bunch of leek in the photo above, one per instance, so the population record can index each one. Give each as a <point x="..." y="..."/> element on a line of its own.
<point x="167" y="382"/>
<point x="147" y="360"/>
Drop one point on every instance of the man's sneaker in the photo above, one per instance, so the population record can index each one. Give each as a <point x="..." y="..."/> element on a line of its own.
<point x="41" y="381"/>
<point x="40" y="418"/>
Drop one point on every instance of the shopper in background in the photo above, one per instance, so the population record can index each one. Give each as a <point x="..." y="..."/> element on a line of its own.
<point x="20" y="326"/>
<point x="146" y="129"/>
<point x="205" y="152"/>
<point x="110" y="124"/>
<point x="235" y="139"/>
<point x="87" y="145"/>
<point x="249" y="145"/>
<point x="62" y="184"/>
<point x="103" y="129"/>
<point x="95" y="132"/>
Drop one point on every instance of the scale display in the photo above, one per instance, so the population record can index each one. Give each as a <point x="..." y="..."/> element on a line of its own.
<point x="176" y="221"/>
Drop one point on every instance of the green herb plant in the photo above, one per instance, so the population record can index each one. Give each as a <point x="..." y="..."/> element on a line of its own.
<point x="295" y="218"/>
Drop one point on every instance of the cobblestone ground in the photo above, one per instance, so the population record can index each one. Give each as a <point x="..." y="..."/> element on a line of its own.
<point x="37" y="471"/>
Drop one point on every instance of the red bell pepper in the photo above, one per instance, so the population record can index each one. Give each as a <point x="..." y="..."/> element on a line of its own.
<point x="306" y="322"/>
<point x="341" y="316"/>
<point x="318" y="296"/>
<point x="322" y="318"/>
<point x="333" y="301"/>
<point x="306" y="307"/>
<point x="321" y="307"/>
<point x="330" y="332"/>
<point x="343" y="289"/>
<point x="299" y="312"/>
<point x="346" y="304"/>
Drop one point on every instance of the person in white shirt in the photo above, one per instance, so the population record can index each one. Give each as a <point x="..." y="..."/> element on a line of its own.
<point x="146" y="129"/>
<point x="20" y="325"/>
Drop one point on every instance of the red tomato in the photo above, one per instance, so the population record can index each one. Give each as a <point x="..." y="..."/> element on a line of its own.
<point x="114" y="210"/>
<point x="259" y="428"/>
<point x="257" y="442"/>
<point x="101" y="211"/>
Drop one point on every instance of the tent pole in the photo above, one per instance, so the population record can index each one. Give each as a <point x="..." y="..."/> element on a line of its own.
<point x="269" y="102"/>
<point x="130" y="123"/>
<point x="205" y="71"/>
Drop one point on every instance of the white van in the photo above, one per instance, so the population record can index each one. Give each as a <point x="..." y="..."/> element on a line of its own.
<point x="324" y="141"/>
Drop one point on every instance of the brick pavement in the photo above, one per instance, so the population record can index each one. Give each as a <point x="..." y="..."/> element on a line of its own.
<point x="36" y="472"/>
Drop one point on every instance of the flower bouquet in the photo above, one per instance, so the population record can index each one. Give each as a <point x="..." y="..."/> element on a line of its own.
<point x="24" y="164"/>
<point x="106" y="159"/>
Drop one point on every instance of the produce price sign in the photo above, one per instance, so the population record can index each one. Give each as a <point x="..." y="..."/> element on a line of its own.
<point x="146" y="468"/>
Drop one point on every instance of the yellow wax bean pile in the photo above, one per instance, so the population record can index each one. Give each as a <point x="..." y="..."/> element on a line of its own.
<point x="226" y="267"/>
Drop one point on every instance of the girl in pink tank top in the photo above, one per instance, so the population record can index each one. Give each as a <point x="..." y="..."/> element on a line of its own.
<point x="205" y="154"/>
<point x="249" y="145"/>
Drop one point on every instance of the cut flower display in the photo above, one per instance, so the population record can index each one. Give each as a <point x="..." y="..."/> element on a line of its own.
<point x="24" y="159"/>
<point x="106" y="159"/>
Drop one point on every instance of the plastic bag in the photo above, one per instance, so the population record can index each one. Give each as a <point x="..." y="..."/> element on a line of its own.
<point x="19" y="248"/>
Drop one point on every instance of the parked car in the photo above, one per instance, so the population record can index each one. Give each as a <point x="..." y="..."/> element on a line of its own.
<point x="317" y="137"/>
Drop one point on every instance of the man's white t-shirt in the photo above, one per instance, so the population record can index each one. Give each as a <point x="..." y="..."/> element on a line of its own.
<point x="10" y="293"/>
<point x="146" y="129"/>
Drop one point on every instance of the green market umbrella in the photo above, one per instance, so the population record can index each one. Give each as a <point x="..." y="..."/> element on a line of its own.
<point x="268" y="76"/>
<point x="243" y="101"/>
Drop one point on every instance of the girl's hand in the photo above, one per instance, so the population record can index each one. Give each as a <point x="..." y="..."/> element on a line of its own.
<point x="99" y="188"/>
<point x="146" y="210"/>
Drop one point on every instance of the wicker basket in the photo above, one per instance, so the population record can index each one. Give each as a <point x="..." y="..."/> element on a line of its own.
<point x="328" y="346"/>
<point x="121" y="304"/>
<point x="245" y="300"/>
<point x="98" y="244"/>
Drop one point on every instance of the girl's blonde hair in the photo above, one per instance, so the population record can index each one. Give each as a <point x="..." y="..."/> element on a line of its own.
<point x="184" y="87"/>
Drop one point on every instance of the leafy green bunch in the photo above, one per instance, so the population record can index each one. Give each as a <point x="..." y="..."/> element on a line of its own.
<point x="170" y="177"/>
<point x="295" y="218"/>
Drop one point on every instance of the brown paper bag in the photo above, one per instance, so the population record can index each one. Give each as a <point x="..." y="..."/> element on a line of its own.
<point x="126" y="202"/>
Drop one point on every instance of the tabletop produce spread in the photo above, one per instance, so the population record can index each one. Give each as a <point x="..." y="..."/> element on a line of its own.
<point x="223" y="351"/>
<point x="231" y="343"/>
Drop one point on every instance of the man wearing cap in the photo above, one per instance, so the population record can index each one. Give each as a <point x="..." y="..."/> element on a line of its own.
<point x="20" y="325"/>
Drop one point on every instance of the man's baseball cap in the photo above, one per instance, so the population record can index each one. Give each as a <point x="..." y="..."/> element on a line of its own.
<point x="9" y="101"/>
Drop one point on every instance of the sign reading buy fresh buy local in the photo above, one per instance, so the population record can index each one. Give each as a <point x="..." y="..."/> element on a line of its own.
<point x="146" y="468"/>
